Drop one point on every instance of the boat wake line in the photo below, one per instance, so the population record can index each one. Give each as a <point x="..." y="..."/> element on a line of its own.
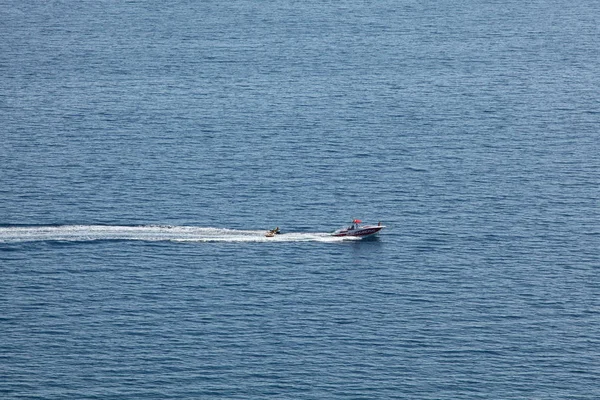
<point x="152" y="233"/>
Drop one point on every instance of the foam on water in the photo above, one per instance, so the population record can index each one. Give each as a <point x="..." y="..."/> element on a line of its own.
<point x="84" y="233"/>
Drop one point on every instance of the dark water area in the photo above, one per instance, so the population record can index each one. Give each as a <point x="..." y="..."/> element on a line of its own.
<point x="145" y="147"/>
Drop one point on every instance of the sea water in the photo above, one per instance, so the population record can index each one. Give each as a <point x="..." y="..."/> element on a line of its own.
<point x="146" y="147"/>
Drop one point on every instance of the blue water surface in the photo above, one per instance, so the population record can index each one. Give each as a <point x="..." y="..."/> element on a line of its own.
<point x="146" y="145"/>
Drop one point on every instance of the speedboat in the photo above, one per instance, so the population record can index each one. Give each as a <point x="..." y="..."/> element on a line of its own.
<point x="357" y="229"/>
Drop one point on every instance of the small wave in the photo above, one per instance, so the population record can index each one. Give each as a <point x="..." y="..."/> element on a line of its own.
<point x="86" y="233"/>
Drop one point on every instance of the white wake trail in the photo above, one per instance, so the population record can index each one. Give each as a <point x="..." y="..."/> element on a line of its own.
<point x="85" y="233"/>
